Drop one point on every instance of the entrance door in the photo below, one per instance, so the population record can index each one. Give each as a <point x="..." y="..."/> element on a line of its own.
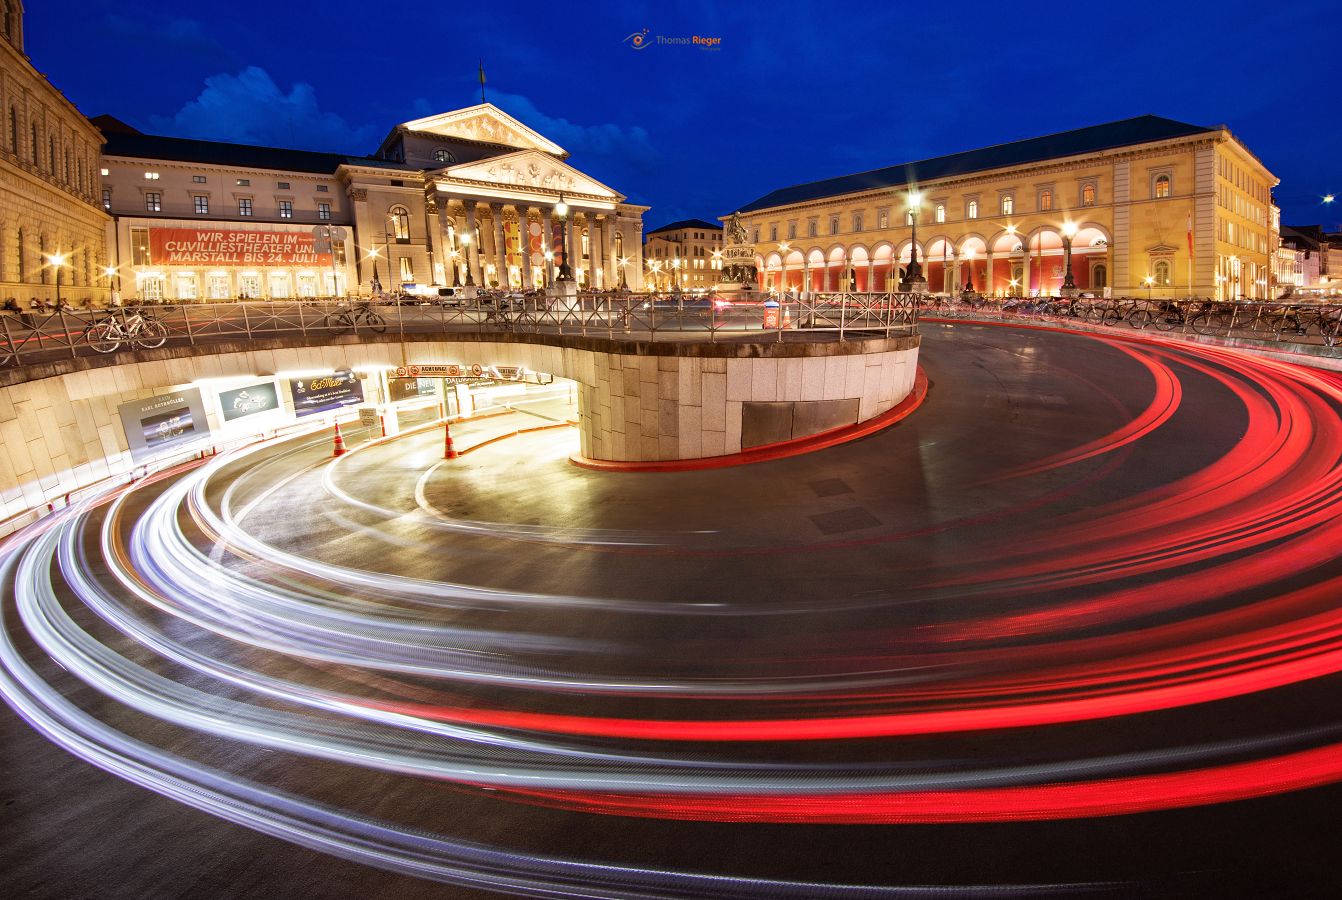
<point x="1018" y="276"/>
<point x="218" y="287"/>
<point x="249" y="286"/>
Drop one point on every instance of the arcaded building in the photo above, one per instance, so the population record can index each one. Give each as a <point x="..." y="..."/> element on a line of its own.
<point x="51" y="224"/>
<point x="474" y="189"/>
<point x="1149" y="204"/>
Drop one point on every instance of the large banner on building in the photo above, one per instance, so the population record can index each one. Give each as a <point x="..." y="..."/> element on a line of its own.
<point x="248" y="401"/>
<point x="511" y="243"/>
<point x="222" y="247"/>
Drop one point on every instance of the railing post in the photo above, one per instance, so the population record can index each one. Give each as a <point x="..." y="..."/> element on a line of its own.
<point x="186" y="322"/>
<point x="65" y="330"/>
<point x="9" y="340"/>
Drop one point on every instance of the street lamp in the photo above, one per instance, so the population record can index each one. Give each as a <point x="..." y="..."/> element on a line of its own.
<point x="913" y="282"/>
<point x="969" y="279"/>
<point x="454" y="255"/>
<point x="623" y="262"/>
<point x="375" y="285"/>
<point x="1148" y="281"/>
<point x="549" y="266"/>
<point x="466" y="244"/>
<point x="1068" y="283"/>
<point x="58" y="261"/>
<point x="561" y="210"/>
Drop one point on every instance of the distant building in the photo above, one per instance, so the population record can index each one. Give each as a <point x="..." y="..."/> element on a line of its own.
<point x="51" y="224"/>
<point x="206" y="220"/>
<point x="687" y="253"/>
<point x="1141" y="194"/>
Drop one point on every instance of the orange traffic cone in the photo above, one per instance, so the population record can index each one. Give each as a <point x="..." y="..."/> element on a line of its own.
<point x="339" y="442"/>
<point x="449" y="452"/>
<point x="787" y="316"/>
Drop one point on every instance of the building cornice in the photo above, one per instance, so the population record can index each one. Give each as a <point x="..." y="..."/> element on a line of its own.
<point x="40" y="81"/>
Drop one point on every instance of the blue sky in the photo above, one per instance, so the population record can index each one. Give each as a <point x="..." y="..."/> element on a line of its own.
<point x="795" y="92"/>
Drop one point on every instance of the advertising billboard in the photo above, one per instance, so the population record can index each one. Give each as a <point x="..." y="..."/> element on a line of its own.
<point x="324" y="393"/>
<point x="409" y="388"/>
<point x="246" y="401"/>
<point x="162" y="424"/>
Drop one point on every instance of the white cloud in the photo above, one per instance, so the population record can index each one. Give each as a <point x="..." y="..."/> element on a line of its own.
<point x="249" y="108"/>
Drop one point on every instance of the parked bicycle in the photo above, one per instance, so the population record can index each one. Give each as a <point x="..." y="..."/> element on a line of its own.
<point x="352" y="318"/>
<point x="135" y="327"/>
<point x="503" y="314"/>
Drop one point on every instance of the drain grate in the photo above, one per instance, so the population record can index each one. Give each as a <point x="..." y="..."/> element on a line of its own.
<point x="841" y="520"/>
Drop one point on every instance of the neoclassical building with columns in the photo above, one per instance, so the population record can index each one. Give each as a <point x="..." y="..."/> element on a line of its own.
<point x="469" y="196"/>
<point x="1150" y="205"/>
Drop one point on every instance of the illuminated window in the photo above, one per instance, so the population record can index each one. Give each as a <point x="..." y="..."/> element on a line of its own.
<point x="972" y="211"/>
<point x="883" y="219"/>
<point x="400" y="222"/>
<point x="443" y="156"/>
<point x="1088" y="195"/>
<point x="1162" y="271"/>
<point x="324" y="211"/>
<point x="791" y="230"/>
<point x="773" y="232"/>
<point x="107" y="199"/>
<point x="941" y="212"/>
<point x="153" y="202"/>
<point x="1045" y="199"/>
<point x="1162" y="186"/>
<point x="202" y="204"/>
<point x="407" y="270"/>
<point x="244" y="206"/>
<point x="857" y="221"/>
<point x="286" y="209"/>
<point x="1008" y="205"/>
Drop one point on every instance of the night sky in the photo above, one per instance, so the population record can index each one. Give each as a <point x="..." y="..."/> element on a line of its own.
<point x="795" y="91"/>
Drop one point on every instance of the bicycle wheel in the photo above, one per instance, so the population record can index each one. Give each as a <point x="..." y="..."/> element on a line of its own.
<point x="103" y="337"/>
<point x="1141" y="318"/>
<point x="526" y="323"/>
<point x="1112" y="316"/>
<point x="1168" y="320"/>
<point x="1210" y="323"/>
<point x="1096" y="313"/>
<point x="151" y="334"/>
<point x="375" y="322"/>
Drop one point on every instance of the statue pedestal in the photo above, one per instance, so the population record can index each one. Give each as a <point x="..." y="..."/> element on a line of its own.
<point x="913" y="287"/>
<point x="562" y="290"/>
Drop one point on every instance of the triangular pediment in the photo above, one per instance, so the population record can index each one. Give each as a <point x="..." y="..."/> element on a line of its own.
<point x="487" y="123"/>
<point x="530" y="170"/>
<point x="1162" y="248"/>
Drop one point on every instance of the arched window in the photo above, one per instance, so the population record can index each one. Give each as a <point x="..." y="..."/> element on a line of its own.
<point x="1045" y="200"/>
<point x="1099" y="276"/>
<point x="619" y="245"/>
<point x="1008" y="205"/>
<point x="400" y="222"/>
<point x="586" y="248"/>
<point x="14" y="131"/>
<point x="972" y="211"/>
<point x="444" y="156"/>
<point x="1088" y="195"/>
<point x="941" y="212"/>
<point x="1162" y="186"/>
<point x="1162" y="271"/>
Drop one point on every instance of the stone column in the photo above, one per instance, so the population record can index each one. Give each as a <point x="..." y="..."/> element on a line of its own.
<point x="597" y="243"/>
<point x="957" y="280"/>
<point x="608" y="252"/>
<point x="500" y="260"/>
<point x="986" y="287"/>
<point x="1025" y="271"/>
<point x="473" y="251"/>
<point x="871" y="275"/>
<point x="437" y="247"/>
<point x="573" y="255"/>
<point x="547" y="230"/>
<point x="524" y="242"/>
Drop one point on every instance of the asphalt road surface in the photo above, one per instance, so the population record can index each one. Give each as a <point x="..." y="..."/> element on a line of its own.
<point x="1070" y="629"/>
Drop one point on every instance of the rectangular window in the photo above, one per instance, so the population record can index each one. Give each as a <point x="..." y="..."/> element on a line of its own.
<point x="883" y="219"/>
<point x="791" y="230"/>
<point x="324" y="211"/>
<point x="107" y="199"/>
<point x="198" y="179"/>
<point x="202" y="204"/>
<point x="282" y="186"/>
<point x="322" y="189"/>
<point x="857" y="221"/>
<point x="1008" y="205"/>
<point x="811" y="228"/>
<point x="139" y="246"/>
<point x="941" y="212"/>
<point x="245" y="206"/>
<point x="286" y="209"/>
<point x="773" y="232"/>
<point x="972" y="210"/>
<point x="833" y="224"/>
<point x="153" y="202"/>
<point x="244" y="182"/>
<point x="407" y="270"/>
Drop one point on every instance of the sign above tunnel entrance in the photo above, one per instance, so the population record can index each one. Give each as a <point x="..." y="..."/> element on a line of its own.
<point x="461" y="370"/>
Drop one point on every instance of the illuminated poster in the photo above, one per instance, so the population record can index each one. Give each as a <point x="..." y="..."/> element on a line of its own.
<point x="325" y="393"/>
<point x="223" y="247"/>
<point x="158" y="425"/>
<point x="409" y="388"/>
<point x="556" y="241"/>
<point x="534" y="233"/>
<point x="512" y="247"/>
<point x="248" y="401"/>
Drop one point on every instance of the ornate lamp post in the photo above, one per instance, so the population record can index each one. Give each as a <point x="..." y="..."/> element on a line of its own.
<point x="1069" y="288"/>
<point x="375" y="286"/>
<point x="549" y="267"/>
<point x="913" y="282"/>
<point x="623" y="262"/>
<point x="969" y="278"/>
<point x="57" y="261"/>
<point x="561" y="210"/>
<point x="466" y="244"/>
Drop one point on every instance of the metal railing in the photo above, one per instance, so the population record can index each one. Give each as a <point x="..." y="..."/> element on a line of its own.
<point x="1314" y="328"/>
<point x="45" y="335"/>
